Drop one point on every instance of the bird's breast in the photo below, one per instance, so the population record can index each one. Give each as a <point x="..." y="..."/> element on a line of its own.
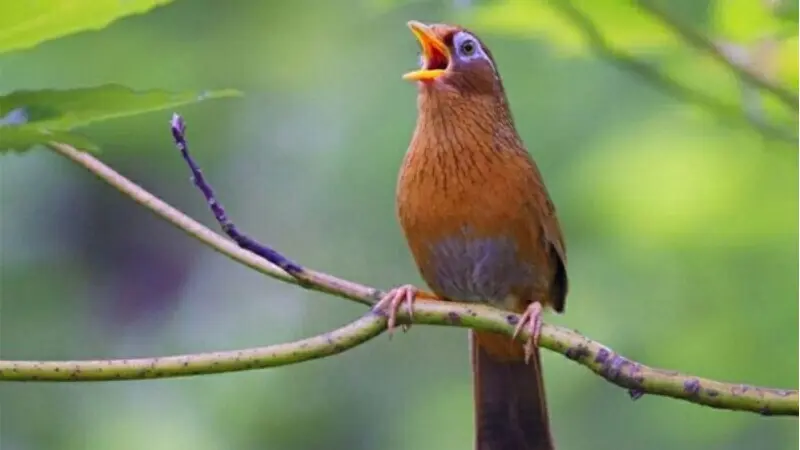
<point x="467" y="206"/>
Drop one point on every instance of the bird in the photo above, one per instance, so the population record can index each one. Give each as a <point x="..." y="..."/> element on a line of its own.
<point x="481" y="227"/>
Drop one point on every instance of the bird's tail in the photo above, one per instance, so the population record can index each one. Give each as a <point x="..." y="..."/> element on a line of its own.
<point x="510" y="407"/>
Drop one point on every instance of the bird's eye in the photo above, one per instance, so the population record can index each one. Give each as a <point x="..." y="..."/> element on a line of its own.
<point x="468" y="47"/>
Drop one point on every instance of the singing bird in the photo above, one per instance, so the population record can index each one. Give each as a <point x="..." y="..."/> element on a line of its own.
<point x="481" y="228"/>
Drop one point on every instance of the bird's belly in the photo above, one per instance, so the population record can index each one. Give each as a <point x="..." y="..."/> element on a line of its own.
<point x="480" y="269"/>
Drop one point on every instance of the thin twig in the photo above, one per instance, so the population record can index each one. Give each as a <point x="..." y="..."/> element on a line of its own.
<point x="702" y="43"/>
<point x="595" y="356"/>
<point x="178" y="127"/>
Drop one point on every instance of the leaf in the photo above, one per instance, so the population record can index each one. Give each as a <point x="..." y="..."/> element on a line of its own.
<point x="24" y="24"/>
<point x="25" y="137"/>
<point x="28" y="118"/>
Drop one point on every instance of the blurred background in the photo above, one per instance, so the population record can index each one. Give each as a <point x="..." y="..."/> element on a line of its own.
<point x="680" y="216"/>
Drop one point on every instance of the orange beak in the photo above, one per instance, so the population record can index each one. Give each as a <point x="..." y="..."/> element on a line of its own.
<point x="435" y="54"/>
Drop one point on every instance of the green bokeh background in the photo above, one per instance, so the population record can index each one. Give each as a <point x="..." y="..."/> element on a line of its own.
<point x="681" y="229"/>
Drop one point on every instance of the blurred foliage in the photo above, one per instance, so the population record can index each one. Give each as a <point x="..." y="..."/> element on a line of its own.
<point x="26" y="24"/>
<point x="46" y="115"/>
<point x="36" y="117"/>
<point x="681" y="223"/>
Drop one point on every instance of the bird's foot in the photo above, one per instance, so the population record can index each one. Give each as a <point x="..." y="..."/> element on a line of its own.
<point x="532" y="320"/>
<point x="393" y="300"/>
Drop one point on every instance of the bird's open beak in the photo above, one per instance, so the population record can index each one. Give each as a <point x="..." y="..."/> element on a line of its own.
<point x="435" y="54"/>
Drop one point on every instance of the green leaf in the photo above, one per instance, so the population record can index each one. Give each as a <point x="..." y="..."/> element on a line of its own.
<point x="25" y="137"/>
<point x="28" y="118"/>
<point x="24" y="24"/>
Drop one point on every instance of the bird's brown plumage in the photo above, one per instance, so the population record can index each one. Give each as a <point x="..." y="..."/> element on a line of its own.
<point x="480" y="225"/>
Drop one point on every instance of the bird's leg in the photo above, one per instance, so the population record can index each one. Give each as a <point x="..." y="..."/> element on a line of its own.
<point x="392" y="301"/>
<point x="532" y="320"/>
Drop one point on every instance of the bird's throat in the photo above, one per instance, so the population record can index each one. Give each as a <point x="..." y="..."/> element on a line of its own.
<point x="462" y="128"/>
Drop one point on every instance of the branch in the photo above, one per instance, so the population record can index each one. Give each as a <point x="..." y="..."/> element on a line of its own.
<point x="327" y="344"/>
<point x="595" y="356"/>
<point x="702" y="43"/>
<point x="600" y="359"/>
<point x="669" y="86"/>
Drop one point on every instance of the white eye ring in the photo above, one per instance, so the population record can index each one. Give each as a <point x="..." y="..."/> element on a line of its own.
<point x="468" y="48"/>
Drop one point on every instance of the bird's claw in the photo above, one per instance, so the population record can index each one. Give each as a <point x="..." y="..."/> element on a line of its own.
<point x="393" y="300"/>
<point x="532" y="320"/>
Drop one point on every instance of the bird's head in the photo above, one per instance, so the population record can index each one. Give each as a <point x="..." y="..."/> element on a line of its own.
<point x="453" y="60"/>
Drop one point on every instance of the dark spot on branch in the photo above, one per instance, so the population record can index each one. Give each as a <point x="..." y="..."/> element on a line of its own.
<point x="637" y="378"/>
<point x="740" y="389"/>
<point x="691" y="386"/>
<point x="602" y="356"/>
<point x="577" y="353"/>
<point x="614" y="367"/>
<point x="454" y="318"/>
<point x="635" y="394"/>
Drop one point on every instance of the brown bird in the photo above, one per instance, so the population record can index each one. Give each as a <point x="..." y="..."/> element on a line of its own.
<point x="481" y="228"/>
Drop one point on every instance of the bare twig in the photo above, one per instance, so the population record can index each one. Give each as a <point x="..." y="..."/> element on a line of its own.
<point x="702" y="43"/>
<point x="595" y="356"/>
<point x="178" y="127"/>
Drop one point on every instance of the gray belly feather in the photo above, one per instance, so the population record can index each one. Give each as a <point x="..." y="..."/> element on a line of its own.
<point x="478" y="269"/>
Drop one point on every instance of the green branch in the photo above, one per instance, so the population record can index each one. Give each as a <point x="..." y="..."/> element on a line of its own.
<point x="636" y="377"/>
<point x="598" y="358"/>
